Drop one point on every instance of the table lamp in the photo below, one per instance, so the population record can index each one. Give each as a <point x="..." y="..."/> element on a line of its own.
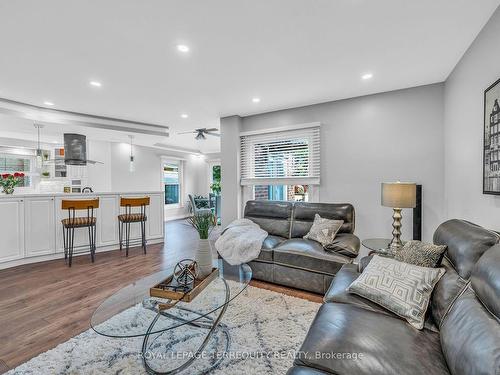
<point x="398" y="195"/>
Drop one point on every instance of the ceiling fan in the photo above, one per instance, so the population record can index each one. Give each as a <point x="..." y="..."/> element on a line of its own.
<point x="202" y="133"/>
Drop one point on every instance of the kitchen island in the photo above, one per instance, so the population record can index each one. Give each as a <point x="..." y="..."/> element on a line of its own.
<point x="31" y="230"/>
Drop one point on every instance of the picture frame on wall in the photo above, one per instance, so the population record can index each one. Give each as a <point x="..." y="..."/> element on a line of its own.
<point x="491" y="131"/>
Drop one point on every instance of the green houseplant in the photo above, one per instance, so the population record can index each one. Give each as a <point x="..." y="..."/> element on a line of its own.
<point x="9" y="181"/>
<point x="203" y="223"/>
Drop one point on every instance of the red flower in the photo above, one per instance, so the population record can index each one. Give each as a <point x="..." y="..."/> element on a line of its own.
<point x="21" y="174"/>
<point x="17" y="175"/>
<point x="5" y="175"/>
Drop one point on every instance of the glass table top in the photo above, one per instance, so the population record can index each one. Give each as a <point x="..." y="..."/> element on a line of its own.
<point x="130" y="311"/>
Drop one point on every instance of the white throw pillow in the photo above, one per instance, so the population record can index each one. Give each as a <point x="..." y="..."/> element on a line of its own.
<point x="324" y="230"/>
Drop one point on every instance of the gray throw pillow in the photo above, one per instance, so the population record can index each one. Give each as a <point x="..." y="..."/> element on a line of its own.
<point x="404" y="289"/>
<point x="420" y="253"/>
<point x="324" y="230"/>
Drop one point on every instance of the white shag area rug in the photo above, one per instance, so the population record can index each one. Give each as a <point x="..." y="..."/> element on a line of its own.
<point x="266" y="329"/>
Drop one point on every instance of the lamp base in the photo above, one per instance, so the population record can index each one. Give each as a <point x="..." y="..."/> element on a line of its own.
<point x="396" y="244"/>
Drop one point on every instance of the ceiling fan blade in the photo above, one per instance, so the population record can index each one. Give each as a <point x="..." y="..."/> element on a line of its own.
<point x="200" y="136"/>
<point x="211" y="130"/>
<point x="190" y="132"/>
<point x="214" y="134"/>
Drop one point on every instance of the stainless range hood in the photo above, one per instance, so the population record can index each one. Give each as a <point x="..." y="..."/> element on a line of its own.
<point x="75" y="150"/>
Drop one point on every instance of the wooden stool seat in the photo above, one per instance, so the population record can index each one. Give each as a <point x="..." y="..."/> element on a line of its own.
<point x="73" y="222"/>
<point x="129" y="217"/>
<point x="132" y="218"/>
<point x="78" y="222"/>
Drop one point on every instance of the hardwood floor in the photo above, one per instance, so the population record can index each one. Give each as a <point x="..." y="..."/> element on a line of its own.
<point x="44" y="304"/>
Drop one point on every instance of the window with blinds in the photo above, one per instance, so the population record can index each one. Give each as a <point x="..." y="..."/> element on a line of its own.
<point x="283" y="157"/>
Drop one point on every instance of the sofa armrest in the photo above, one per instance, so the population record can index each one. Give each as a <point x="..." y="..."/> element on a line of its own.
<point x="346" y="244"/>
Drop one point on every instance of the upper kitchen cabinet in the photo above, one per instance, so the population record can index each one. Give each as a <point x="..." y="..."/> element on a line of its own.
<point x="40" y="230"/>
<point x="11" y="229"/>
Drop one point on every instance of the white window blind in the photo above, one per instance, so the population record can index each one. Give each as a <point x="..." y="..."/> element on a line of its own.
<point x="283" y="157"/>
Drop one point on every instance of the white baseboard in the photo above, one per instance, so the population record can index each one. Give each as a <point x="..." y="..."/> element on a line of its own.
<point x="60" y="255"/>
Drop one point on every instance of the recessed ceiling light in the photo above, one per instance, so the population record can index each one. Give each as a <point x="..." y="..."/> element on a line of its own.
<point x="184" y="115"/>
<point x="50" y="104"/>
<point x="182" y="48"/>
<point x="95" y="83"/>
<point x="367" y="76"/>
<point x="256" y="100"/>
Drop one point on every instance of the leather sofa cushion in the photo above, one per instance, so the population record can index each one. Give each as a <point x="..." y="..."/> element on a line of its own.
<point x="470" y="337"/>
<point x="346" y="244"/>
<point x="338" y="291"/>
<point x="485" y="280"/>
<point x="309" y="255"/>
<point x="265" y="255"/>
<point x="388" y="345"/>
<point x="273" y="217"/>
<point x="466" y="243"/>
<point x="303" y="216"/>
<point x="272" y="241"/>
<point x="301" y="370"/>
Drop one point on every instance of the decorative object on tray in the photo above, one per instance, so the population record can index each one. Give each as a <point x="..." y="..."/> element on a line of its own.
<point x="404" y="289"/>
<point x="9" y="181"/>
<point x="204" y="223"/>
<point x="324" y="230"/>
<point x="491" y="131"/>
<point x="174" y="287"/>
<point x="421" y="254"/>
<point x="398" y="195"/>
<point x="185" y="273"/>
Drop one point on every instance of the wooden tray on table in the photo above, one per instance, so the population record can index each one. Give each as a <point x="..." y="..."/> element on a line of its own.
<point x="163" y="289"/>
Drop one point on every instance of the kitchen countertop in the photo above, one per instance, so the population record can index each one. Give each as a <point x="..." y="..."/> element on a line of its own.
<point x="77" y="195"/>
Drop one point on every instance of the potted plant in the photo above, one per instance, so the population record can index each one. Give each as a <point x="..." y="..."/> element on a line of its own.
<point x="9" y="181"/>
<point x="203" y="223"/>
<point x="46" y="174"/>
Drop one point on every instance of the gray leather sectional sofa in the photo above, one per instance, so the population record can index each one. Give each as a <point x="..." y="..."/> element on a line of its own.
<point x="287" y="258"/>
<point x="461" y="335"/>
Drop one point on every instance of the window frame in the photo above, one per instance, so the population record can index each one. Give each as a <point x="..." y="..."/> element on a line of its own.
<point x="180" y="166"/>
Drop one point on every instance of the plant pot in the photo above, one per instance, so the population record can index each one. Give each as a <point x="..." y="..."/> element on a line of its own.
<point x="8" y="190"/>
<point x="204" y="258"/>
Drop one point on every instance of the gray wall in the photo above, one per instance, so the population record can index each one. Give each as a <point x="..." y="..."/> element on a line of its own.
<point x="364" y="141"/>
<point x="464" y="88"/>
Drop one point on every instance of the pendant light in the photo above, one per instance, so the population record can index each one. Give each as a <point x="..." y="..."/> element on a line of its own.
<point x="131" y="164"/>
<point x="39" y="153"/>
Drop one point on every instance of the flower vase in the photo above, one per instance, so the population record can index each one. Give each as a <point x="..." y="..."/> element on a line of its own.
<point x="204" y="258"/>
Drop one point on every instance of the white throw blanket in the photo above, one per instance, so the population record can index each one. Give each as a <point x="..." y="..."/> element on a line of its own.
<point x="240" y="242"/>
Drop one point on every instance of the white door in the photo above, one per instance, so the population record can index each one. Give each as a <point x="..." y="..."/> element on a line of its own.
<point x="11" y="229"/>
<point x="40" y="231"/>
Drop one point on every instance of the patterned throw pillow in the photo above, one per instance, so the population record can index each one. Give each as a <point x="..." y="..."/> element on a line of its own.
<point x="420" y="253"/>
<point x="324" y="230"/>
<point x="404" y="289"/>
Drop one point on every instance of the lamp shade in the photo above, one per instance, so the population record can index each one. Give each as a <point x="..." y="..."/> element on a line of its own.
<point x="399" y="194"/>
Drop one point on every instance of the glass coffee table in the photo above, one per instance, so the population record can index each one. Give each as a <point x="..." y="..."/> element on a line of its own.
<point x="175" y="338"/>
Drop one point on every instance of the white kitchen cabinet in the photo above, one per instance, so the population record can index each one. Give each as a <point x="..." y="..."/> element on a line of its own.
<point x="156" y="217"/>
<point x="39" y="229"/>
<point x="107" y="220"/>
<point x="11" y="229"/>
<point x="31" y="229"/>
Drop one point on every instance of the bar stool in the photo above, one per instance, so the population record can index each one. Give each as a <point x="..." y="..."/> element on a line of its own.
<point x="133" y="217"/>
<point x="73" y="222"/>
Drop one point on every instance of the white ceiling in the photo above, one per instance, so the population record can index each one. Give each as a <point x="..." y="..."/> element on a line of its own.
<point x="287" y="52"/>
